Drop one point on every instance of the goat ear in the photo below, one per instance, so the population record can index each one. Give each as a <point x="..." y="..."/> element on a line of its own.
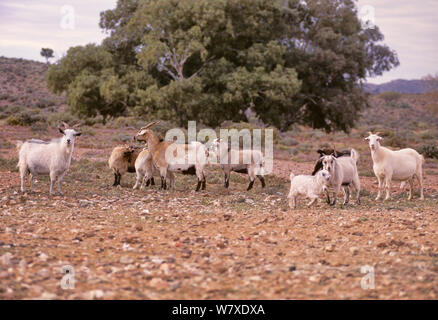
<point x="367" y="138"/>
<point x="77" y="134"/>
<point x="60" y="130"/>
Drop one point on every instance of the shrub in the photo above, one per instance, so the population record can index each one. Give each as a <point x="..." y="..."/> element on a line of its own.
<point x="44" y="103"/>
<point x="122" y="137"/>
<point x="87" y="131"/>
<point x="123" y="122"/>
<point x="405" y="106"/>
<point x="289" y="141"/>
<point x="9" y="164"/>
<point x="23" y="119"/>
<point x="39" y="126"/>
<point x="429" y="134"/>
<point x="390" y="96"/>
<point x="428" y="151"/>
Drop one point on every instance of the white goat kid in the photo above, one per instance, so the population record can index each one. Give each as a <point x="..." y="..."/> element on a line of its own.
<point x="401" y="165"/>
<point x="38" y="157"/>
<point x="310" y="186"/>
<point x="343" y="173"/>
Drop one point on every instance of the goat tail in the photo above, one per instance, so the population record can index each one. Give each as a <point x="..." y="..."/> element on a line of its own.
<point x="19" y="144"/>
<point x="422" y="159"/>
<point x="354" y="155"/>
<point x="291" y="176"/>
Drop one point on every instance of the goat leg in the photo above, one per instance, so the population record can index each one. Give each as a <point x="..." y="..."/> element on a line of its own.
<point x="262" y="180"/>
<point x="328" y="195"/>
<point x="115" y="179"/>
<point x="250" y="185"/>
<point x="199" y="185"/>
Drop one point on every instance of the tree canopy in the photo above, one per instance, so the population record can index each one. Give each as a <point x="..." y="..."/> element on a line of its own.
<point x="209" y="60"/>
<point x="46" y="53"/>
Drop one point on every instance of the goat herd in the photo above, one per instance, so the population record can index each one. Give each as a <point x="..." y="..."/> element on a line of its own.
<point x="333" y="169"/>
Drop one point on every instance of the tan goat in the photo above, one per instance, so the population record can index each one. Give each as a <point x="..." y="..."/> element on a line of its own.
<point x="170" y="157"/>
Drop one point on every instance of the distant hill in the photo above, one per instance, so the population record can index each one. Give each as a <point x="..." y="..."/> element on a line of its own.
<point x="402" y="86"/>
<point x="22" y="83"/>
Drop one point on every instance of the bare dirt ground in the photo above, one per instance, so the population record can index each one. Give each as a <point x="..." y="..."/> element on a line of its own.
<point x="215" y="244"/>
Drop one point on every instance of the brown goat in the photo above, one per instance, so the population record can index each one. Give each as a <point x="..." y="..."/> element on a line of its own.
<point x="122" y="160"/>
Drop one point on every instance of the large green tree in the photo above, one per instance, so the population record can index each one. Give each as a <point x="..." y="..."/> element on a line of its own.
<point x="209" y="60"/>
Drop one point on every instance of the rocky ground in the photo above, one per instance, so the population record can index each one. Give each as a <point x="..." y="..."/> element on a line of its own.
<point x="215" y="244"/>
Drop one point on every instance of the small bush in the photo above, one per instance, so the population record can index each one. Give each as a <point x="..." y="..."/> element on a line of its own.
<point x="123" y="122"/>
<point x="39" y="126"/>
<point x="23" y="119"/>
<point x="289" y="141"/>
<point x="9" y="110"/>
<point x="390" y="96"/>
<point x="429" y="134"/>
<point x="44" y="103"/>
<point x="122" y="137"/>
<point x="87" y="131"/>
<point x="428" y="151"/>
<point x="9" y="164"/>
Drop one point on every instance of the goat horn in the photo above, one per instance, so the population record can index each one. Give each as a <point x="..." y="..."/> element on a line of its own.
<point x="370" y="133"/>
<point x="77" y="125"/>
<point x="66" y="126"/>
<point x="377" y="133"/>
<point x="151" y="124"/>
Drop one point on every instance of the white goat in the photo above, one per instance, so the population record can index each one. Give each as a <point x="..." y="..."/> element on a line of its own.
<point x="38" y="157"/>
<point x="401" y="165"/>
<point x="145" y="168"/>
<point x="310" y="186"/>
<point x="343" y="172"/>
<point x="249" y="161"/>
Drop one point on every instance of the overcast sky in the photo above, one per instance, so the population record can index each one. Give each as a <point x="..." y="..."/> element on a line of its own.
<point x="410" y="27"/>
